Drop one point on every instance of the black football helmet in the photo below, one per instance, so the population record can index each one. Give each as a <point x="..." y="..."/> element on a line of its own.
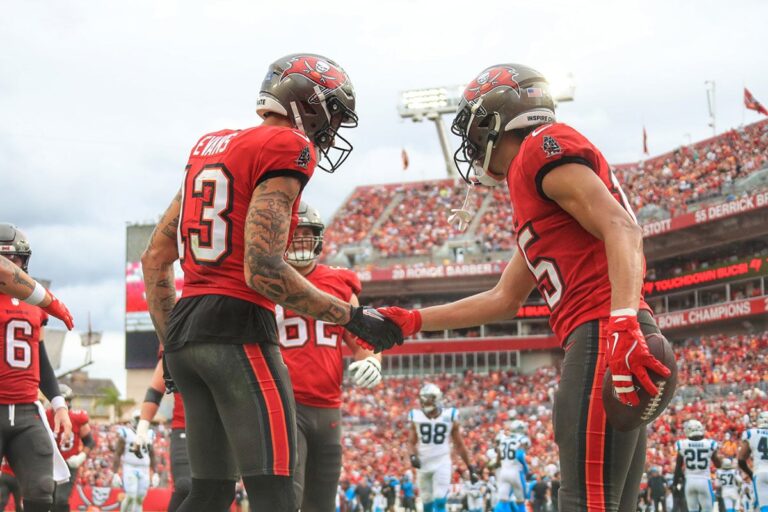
<point x="13" y="242"/>
<point x="317" y="96"/>
<point x="503" y="97"/>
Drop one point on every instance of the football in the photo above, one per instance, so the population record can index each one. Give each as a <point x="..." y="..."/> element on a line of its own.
<point x="625" y="417"/>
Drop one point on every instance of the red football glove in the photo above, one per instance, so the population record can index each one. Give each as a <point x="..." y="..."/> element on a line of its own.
<point x="409" y="321"/>
<point x="59" y="310"/>
<point x="628" y="356"/>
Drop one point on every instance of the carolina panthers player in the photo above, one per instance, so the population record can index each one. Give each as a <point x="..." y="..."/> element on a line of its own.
<point x="430" y="449"/>
<point x="729" y="481"/>
<point x="693" y="457"/>
<point x="137" y="461"/>
<point x="754" y="442"/>
<point x="513" y="474"/>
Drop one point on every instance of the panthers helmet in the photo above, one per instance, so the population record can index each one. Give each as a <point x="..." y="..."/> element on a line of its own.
<point x="518" y="427"/>
<point x="430" y="397"/>
<point x="305" y="249"/>
<point x="13" y="242"/>
<point x="762" y="419"/>
<point x="727" y="463"/>
<point x="66" y="393"/>
<point x="135" y="417"/>
<point x="503" y="97"/>
<point x="316" y="94"/>
<point x="693" y="428"/>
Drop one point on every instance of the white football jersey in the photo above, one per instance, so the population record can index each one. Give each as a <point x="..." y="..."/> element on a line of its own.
<point x="434" y="433"/>
<point x="757" y="438"/>
<point x="129" y="457"/>
<point x="729" y="480"/>
<point x="696" y="456"/>
<point x="508" y="446"/>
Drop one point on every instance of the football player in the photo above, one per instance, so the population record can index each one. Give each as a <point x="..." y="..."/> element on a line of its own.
<point x="579" y="242"/>
<point x="24" y="369"/>
<point x="137" y="458"/>
<point x="729" y="482"/>
<point x="754" y="443"/>
<point x="432" y="429"/>
<point x="310" y="343"/>
<point x="693" y="457"/>
<point x="15" y="252"/>
<point x="182" y="479"/>
<point x="230" y="225"/>
<point x="74" y="450"/>
<point x="513" y="472"/>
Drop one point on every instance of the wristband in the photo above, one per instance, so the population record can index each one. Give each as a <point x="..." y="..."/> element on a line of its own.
<point x="153" y="396"/>
<point x="58" y="402"/>
<point x="37" y="296"/>
<point x="624" y="312"/>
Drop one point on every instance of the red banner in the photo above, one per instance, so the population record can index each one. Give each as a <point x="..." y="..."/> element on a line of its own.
<point x="714" y="313"/>
<point x="751" y="267"/>
<point x="707" y="214"/>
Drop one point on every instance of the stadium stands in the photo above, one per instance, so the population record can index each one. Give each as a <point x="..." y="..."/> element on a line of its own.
<point x="410" y="220"/>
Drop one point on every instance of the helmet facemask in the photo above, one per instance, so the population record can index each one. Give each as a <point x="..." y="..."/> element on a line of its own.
<point x="333" y="148"/>
<point x="474" y="122"/>
<point x="13" y="242"/>
<point x="305" y="249"/>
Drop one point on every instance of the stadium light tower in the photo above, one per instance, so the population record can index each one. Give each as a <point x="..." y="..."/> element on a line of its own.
<point x="431" y="104"/>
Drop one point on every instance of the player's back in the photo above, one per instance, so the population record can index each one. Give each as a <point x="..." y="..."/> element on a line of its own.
<point x="696" y="456"/>
<point x="20" y="326"/>
<point x="434" y="435"/>
<point x="729" y="480"/>
<point x="509" y="444"/>
<point x="569" y="264"/>
<point x="223" y="170"/>
<point x="306" y="342"/>
<point x="757" y="438"/>
<point x="129" y="456"/>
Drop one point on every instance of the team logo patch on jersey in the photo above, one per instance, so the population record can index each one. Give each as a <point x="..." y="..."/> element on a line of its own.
<point x="550" y="146"/>
<point x="304" y="158"/>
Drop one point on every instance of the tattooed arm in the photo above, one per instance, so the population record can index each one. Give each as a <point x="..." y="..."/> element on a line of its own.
<point x="17" y="283"/>
<point x="266" y="237"/>
<point x="157" y="267"/>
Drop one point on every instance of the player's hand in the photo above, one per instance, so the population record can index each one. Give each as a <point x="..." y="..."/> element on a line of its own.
<point x="62" y="423"/>
<point x="409" y="321"/>
<point x="474" y="476"/>
<point x="375" y="332"/>
<point x="415" y="461"/>
<point x="628" y="357"/>
<point x="170" y="385"/>
<point x="366" y="373"/>
<point x="57" y="309"/>
<point x="155" y="480"/>
<point x="116" y="480"/>
<point x="76" y="461"/>
<point x="142" y="432"/>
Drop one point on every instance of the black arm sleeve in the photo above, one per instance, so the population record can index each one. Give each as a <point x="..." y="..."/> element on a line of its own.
<point x="745" y="468"/>
<point x="48" y="383"/>
<point x="678" y="478"/>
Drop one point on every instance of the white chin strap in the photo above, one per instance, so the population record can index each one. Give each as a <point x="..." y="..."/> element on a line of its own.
<point x="462" y="217"/>
<point x="481" y="173"/>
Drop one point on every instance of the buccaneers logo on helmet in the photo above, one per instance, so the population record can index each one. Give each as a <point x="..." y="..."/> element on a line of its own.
<point x="319" y="71"/>
<point x="491" y="78"/>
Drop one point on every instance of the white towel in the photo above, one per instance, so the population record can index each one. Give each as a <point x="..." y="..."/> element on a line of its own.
<point x="60" y="468"/>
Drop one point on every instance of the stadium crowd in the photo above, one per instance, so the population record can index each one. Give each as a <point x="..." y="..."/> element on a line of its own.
<point x="668" y="184"/>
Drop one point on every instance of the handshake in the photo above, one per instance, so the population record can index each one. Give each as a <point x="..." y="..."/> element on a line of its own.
<point x="382" y="328"/>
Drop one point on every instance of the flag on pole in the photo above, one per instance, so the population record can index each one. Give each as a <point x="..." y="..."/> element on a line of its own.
<point x="404" y="156"/>
<point x="645" y="141"/>
<point x="752" y="104"/>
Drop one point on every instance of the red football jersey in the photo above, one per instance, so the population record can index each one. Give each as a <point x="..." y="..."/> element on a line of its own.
<point x="178" y="421"/>
<point x="223" y="170"/>
<point x="79" y="419"/>
<point x="312" y="348"/>
<point x="568" y="263"/>
<point x="20" y="326"/>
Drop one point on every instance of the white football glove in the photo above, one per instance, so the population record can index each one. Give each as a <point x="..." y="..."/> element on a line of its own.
<point x="366" y="373"/>
<point x="142" y="433"/>
<point x="76" y="461"/>
<point x="116" y="480"/>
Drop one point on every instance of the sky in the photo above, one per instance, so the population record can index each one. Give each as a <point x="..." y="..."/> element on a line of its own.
<point x="100" y="102"/>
